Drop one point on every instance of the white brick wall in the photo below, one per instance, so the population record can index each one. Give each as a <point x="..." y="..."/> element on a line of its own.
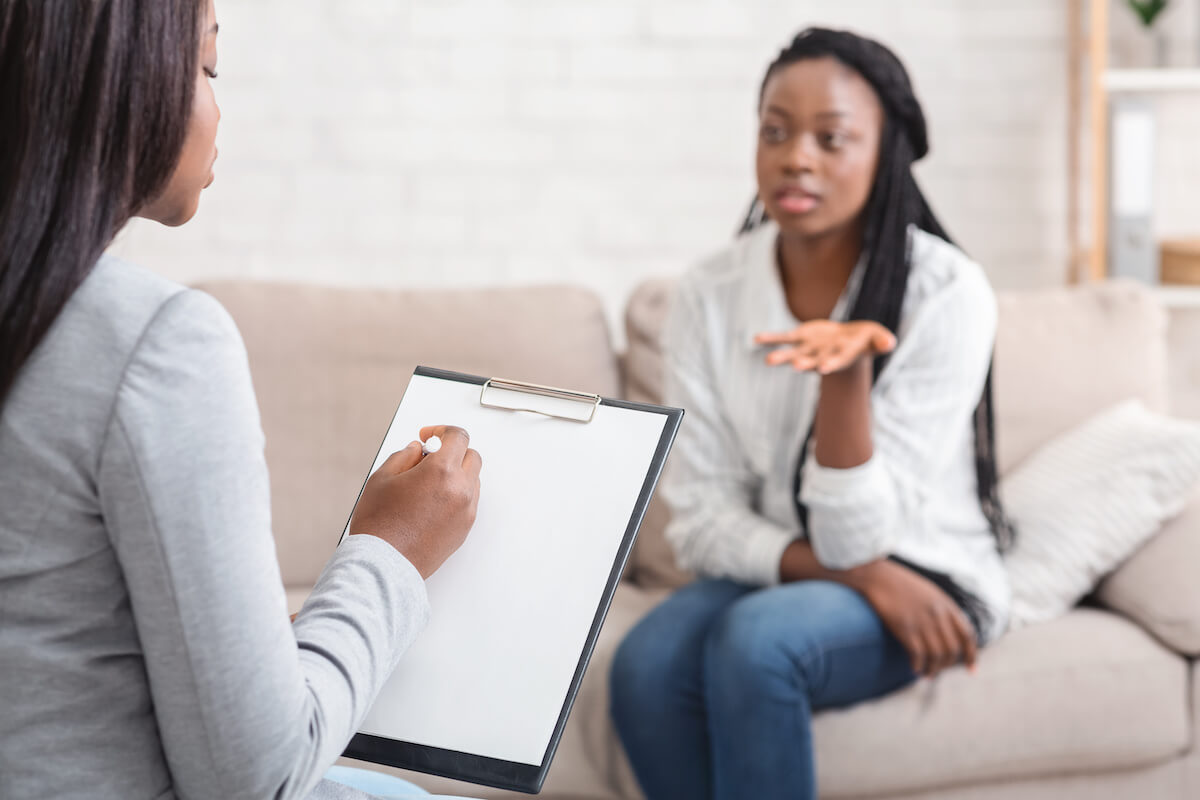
<point x="473" y="142"/>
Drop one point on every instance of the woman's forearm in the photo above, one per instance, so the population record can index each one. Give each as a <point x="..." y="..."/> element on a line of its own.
<point x="799" y="563"/>
<point x="843" y="421"/>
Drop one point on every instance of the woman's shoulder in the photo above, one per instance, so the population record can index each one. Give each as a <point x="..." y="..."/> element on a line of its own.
<point x="939" y="269"/>
<point x="120" y="302"/>
<point x="119" y="310"/>
<point x="115" y="284"/>
<point x="121" y="321"/>
<point x="717" y="269"/>
<point x="720" y="274"/>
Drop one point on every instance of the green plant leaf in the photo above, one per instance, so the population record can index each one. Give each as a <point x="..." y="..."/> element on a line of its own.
<point x="1147" y="10"/>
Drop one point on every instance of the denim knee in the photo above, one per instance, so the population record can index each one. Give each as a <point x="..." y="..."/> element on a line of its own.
<point x="740" y="646"/>
<point x="656" y="670"/>
<point x="749" y="645"/>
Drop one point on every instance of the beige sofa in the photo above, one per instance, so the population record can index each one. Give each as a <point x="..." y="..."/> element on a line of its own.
<point x="1102" y="703"/>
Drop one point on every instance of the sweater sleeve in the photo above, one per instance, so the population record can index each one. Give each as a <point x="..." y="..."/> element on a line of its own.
<point x="921" y="410"/>
<point x="248" y="705"/>
<point x="709" y="488"/>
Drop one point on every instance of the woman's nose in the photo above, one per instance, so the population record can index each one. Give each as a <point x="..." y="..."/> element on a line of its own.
<point x="802" y="154"/>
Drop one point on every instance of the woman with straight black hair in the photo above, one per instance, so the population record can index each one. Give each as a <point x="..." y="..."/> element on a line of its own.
<point x="145" y="649"/>
<point x="834" y="484"/>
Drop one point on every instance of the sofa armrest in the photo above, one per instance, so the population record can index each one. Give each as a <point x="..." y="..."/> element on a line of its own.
<point x="1157" y="586"/>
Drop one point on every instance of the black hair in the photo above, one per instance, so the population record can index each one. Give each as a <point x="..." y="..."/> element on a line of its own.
<point x="95" y="100"/>
<point x="895" y="203"/>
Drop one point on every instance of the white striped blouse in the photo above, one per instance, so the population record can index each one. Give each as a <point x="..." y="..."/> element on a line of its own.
<point x="731" y="478"/>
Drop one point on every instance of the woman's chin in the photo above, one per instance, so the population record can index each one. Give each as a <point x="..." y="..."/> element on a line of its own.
<point x="183" y="213"/>
<point x="804" y="226"/>
<point x="181" y="217"/>
<point x="813" y="225"/>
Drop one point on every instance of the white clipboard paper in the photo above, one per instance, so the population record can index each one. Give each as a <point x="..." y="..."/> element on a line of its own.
<point x="484" y="693"/>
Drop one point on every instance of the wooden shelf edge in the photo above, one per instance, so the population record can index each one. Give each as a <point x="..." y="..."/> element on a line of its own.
<point x="1167" y="79"/>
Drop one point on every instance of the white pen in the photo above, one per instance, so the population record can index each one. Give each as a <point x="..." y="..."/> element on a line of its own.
<point x="431" y="445"/>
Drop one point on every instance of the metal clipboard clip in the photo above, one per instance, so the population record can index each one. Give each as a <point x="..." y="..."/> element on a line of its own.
<point x="545" y="400"/>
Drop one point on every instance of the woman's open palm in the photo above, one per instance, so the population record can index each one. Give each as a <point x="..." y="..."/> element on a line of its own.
<point x="825" y="346"/>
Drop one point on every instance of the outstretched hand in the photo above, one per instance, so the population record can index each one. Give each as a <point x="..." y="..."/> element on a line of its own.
<point x="825" y="346"/>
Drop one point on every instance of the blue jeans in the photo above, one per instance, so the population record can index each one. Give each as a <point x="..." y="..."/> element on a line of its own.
<point x="713" y="692"/>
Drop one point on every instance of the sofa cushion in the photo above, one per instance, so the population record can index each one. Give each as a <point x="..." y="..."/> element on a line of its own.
<point x="1065" y="354"/>
<point x="645" y="316"/>
<point x="296" y="595"/>
<point x="1087" y="692"/>
<point x="330" y="365"/>
<point x="652" y="564"/>
<point x="1157" y="586"/>
<point x="1183" y="331"/>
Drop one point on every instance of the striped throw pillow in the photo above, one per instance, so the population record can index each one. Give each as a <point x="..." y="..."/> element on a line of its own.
<point x="1087" y="500"/>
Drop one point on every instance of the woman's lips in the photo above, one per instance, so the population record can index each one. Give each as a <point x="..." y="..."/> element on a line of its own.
<point x="794" y="201"/>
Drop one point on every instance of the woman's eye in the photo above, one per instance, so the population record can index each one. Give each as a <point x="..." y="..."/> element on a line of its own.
<point x="832" y="140"/>
<point x="773" y="134"/>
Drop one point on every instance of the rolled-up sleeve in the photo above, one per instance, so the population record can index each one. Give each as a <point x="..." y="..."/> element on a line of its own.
<point x="714" y="529"/>
<point x="922" y="407"/>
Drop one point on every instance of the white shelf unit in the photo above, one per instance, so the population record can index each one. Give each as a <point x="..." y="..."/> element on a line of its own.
<point x="1152" y="80"/>
<point x="1178" y="296"/>
<point x="1090" y="90"/>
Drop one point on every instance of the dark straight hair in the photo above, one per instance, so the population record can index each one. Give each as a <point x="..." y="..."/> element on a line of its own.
<point x="95" y="100"/>
<point x="895" y="204"/>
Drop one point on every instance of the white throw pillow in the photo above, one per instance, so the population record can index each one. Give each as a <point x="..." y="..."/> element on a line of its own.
<point x="1087" y="500"/>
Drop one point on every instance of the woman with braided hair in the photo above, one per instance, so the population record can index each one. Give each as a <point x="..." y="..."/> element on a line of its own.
<point x="834" y="485"/>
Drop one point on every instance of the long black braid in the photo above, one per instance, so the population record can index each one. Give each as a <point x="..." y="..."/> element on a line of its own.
<point x="895" y="203"/>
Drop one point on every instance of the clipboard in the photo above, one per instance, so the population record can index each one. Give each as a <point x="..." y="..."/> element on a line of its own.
<point x="484" y="693"/>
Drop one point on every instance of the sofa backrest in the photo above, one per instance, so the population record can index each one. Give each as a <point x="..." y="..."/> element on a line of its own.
<point x="1068" y="353"/>
<point x="330" y="365"/>
<point x="1062" y="355"/>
